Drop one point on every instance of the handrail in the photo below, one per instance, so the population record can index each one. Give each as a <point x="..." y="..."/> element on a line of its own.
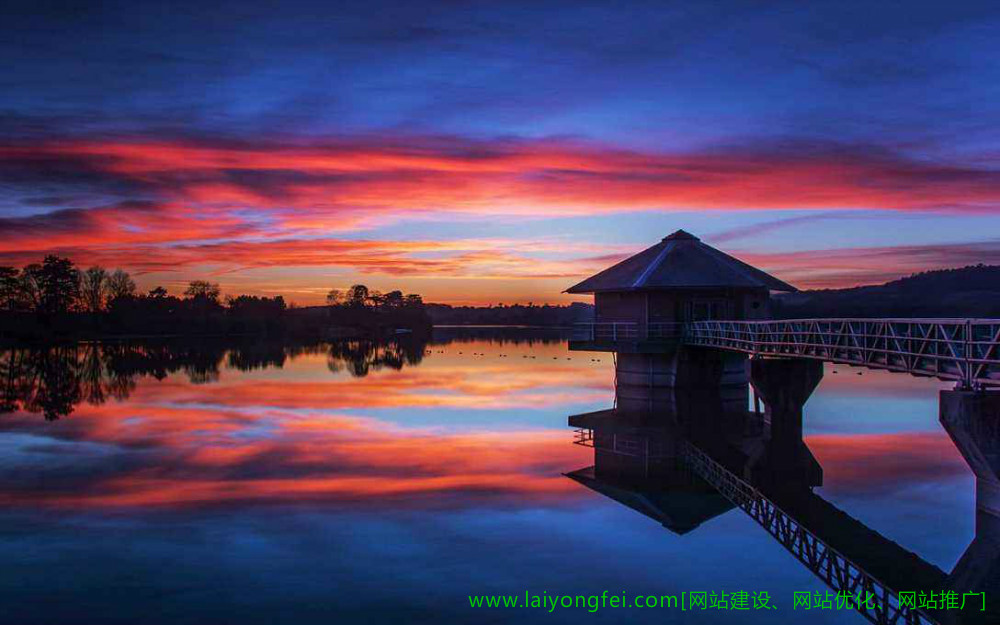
<point x="627" y="330"/>
<point x="963" y="350"/>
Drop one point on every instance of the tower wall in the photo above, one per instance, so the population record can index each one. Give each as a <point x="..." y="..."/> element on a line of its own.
<point x="649" y="381"/>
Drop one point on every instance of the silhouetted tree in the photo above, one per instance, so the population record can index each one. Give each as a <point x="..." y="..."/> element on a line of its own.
<point x="57" y="292"/>
<point x="94" y="289"/>
<point x="393" y="300"/>
<point x="249" y="313"/>
<point x="203" y="289"/>
<point x="59" y="285"/>
<point x="9" y="289"/>
<point x="120" y="285"/>
<point x="29" y="288"/>
<point x="357" y="296"/>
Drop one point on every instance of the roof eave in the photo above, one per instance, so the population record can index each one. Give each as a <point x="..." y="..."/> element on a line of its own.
<point x="786" y="288"/>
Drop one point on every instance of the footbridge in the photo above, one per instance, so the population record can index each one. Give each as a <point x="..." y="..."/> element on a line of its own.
<point x="692" y="332"/>
<point x="966" y="351"/>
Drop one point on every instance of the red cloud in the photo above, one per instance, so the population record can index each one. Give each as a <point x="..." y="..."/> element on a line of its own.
<point x="365" y="177"/>
<point x="220" y="206"/>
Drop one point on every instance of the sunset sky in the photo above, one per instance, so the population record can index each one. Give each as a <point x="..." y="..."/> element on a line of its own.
<point x="484" y="152"/>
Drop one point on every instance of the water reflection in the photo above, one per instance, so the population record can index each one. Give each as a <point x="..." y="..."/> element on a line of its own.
<point x="252" y="483"/>
<point x="220" y="426"/>
<point x="695" y="457"/>
<point x="53" y="380"/>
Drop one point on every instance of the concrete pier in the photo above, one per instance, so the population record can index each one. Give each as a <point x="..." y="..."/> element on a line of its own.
<point x="781" y="458"/>
<point x="972" y="420"/>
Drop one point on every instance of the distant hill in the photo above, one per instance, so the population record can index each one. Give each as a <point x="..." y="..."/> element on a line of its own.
<point x="972" y="291"/>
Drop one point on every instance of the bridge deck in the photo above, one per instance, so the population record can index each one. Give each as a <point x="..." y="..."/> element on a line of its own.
<point x="963" y="350"/>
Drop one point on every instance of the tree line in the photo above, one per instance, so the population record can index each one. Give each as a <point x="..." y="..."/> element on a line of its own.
<point x="362" y="308"/>
<point x="55" y="286"/>
<point x="55" y="299"/>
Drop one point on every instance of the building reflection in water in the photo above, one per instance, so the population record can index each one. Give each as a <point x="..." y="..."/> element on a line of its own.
<point x="687" y="456"/>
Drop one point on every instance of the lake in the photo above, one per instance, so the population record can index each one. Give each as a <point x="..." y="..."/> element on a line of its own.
<point x="358" y="483"/>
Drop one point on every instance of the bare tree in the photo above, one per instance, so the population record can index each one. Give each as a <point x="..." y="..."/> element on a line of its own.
<point x="120" y="285"/>
<point x="203" y="289"/>
<point x="9" y="288"/>
<point x="29" y="287"/>
<point x="94" y="288"/>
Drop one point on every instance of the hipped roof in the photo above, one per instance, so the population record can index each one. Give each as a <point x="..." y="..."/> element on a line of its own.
<point x="679" y="261"/>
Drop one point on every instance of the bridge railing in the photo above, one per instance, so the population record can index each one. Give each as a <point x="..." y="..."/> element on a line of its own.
<point x="964" y="350"/>
<point x="613" y="331"/>
<point x="606" y="331"/>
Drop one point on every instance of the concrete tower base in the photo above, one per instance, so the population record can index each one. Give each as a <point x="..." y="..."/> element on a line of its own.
<point x="646" y="382"/>
<point x="783" y="460"/>
<point x="972" y="420"/>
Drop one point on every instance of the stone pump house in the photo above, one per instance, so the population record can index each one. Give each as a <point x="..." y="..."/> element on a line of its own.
<point x="642" y="303"/>
<point x="679" y="279"/>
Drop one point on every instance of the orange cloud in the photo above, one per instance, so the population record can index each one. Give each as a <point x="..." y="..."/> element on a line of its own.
<point x="217" y="207"/>
<point x="516" y="178"/>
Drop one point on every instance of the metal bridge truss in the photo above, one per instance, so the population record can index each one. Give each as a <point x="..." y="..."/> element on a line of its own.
<point x="963" y="350"/>
<point x="875" y="601"/>
<point x="967" y="351"/>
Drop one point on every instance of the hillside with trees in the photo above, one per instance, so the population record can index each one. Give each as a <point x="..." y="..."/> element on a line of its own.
<point x="972" y="291"/>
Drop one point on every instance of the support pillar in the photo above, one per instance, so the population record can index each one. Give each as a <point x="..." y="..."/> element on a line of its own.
<point x="972" y="420"/>
<point x="785" y="384"/>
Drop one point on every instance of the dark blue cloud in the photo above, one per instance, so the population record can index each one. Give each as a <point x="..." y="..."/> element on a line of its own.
<point x="636" y="73"/>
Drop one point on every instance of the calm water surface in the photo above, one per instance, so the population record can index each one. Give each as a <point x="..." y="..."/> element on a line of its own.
<point x="335" y="485"/>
